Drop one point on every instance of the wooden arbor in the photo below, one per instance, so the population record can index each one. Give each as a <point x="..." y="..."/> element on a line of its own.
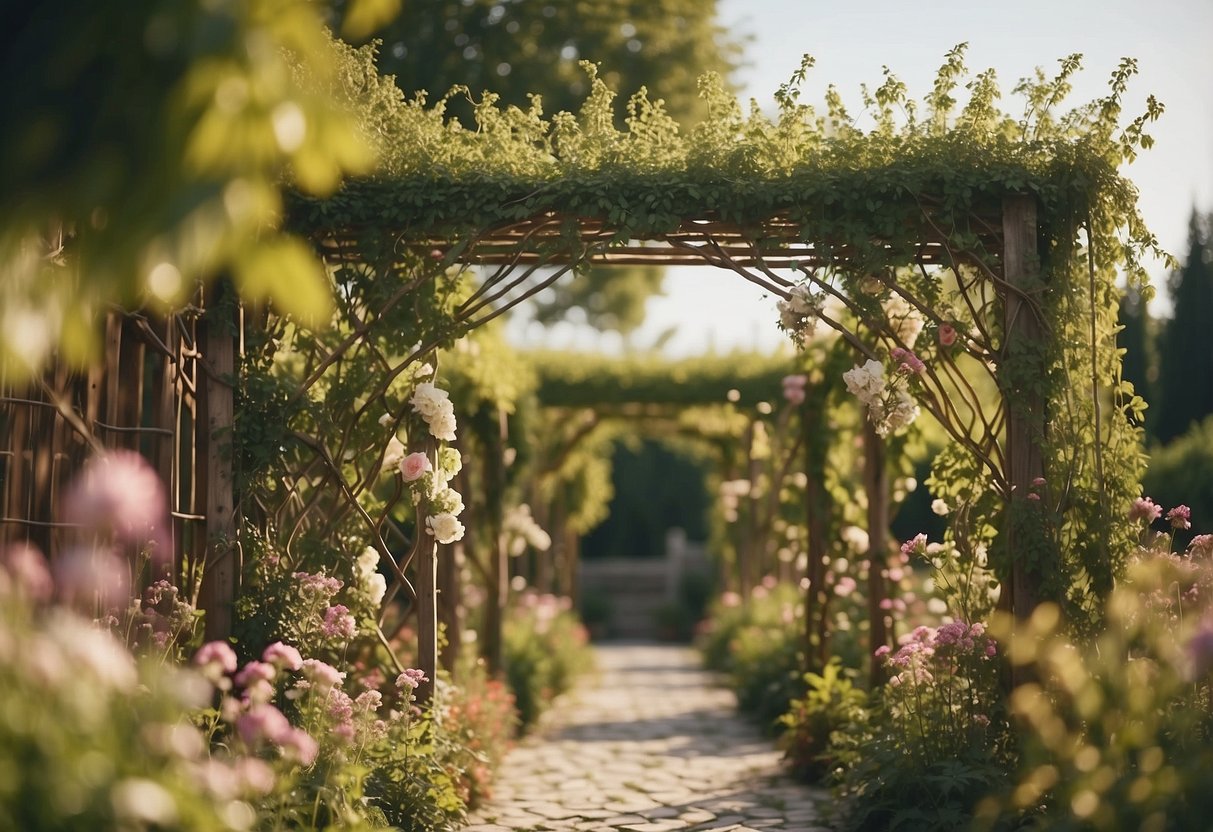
<point x="992" y="240"/>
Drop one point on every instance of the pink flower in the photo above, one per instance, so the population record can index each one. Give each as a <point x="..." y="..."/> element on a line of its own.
<point x="118" y="492"/>
<point x="882" y="651"/>
<point x="794" y="395"/>
<point x="414" y="466"/>
<point x="262" y="721"/>
<point x="947" y="335"/>
<point x="338" y="623"/>
<point x="411" y="679"/>
<point x="730" y="599"/>
<point x="1144" y="508"/>
<point x="92" y="577"/>
<point x="27" y="567"/>
<point x="282" y="656"/>
<point x="845" y="586"/>
<point x="1038" y="482"/>
<point x="318" y="587"/>
<point x="253" y="672"/>
<point x="218" y="655"/>
<point x="908" y="362"/>
<point x="368" y="701"/>
<point x="1180" y="517"/>
<point x="299" y="745"/>
<point x="915" y="545"/>
<point x="1033" y="496"/>
<point x="255" y="775"/>
<point x="323" y="676"/>
<point x="1202" y="544"/>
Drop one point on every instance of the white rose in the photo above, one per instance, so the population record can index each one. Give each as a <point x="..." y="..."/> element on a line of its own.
<point x="428" y="400"/>
<point x="394" y="453"/>
<point x="442" y="426"/>
<point x="447" y="501"/>
<point x="376" y="587"/>
<point x="445" y="527"/>
<point x="940" y="507"/>
<point x="368" y="561"/>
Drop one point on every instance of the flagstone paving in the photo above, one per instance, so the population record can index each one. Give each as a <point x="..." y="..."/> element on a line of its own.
<point x="654" y="744"/>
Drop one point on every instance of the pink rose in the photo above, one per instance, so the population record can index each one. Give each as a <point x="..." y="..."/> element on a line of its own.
<point x="413" y="466"/>
<point x="947" y="335"/>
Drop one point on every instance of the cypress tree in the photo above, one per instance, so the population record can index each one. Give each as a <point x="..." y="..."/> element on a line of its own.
<point x="1186" y="349"/>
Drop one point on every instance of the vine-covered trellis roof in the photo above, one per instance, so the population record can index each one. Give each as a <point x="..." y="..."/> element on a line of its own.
<point x="908" y="213"/>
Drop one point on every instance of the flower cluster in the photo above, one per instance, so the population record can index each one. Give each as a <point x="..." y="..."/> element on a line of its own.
<point x="434" y="405"/>
<point x="890" y="406"/>
<point x="798" y="315"/>
<point x="905" y="321"/>
<point x="794" y="388"/>
<point x="371" y="581"/>
<point x="522" y="531"/>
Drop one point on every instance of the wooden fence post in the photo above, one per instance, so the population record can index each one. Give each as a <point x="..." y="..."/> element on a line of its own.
<point x="220" y="574"/>
<point x="816" y="504"/>
<point x="1025" y="409"/>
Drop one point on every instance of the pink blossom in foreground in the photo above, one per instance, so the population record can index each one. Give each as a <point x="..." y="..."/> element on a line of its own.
<point x="282" y="656"/>
<point x="218" y="655"/>
<point x="262" y="722"/>
<point x="254" y="672"/>
<point x="324" y="676"/>
<point x="299" y="745"/>
<point x="27" y="567"/>
<point x="1180" y="517"/>
<point x="118" y="492"/>
<point x="1144" y="508"/>
<point x="947" y="335"/>
<point x="1201" y="546"/>
<point x="318" y="587"/>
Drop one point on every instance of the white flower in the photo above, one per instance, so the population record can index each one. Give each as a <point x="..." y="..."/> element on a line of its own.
<point x="386" y="419"/>
<point x="905" y="320"/>
<point x="442" y="425"/>
<point x="368" y="562"/>
<point x="445" y="527"/>
<point x="866" y="383"/>
<point x="426" y="369"/>
<point x="799" y="313"/>
<point x="450" y="461"/>
<point x="940" y="507"/>
<point x="376" y="587"/>
<point x="855" y="538"/>
<point x="428" y="400"/>
<point x="394" y="453"/>
<point x="447" y="501"/>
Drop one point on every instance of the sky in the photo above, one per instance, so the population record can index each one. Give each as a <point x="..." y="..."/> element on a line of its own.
<point x="1172" y="40"/>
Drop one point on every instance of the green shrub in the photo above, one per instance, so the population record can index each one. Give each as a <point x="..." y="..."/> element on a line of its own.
<point x="832" y="703"/>
<point x="1181" y="473"/>
<point x="545" y="648"/>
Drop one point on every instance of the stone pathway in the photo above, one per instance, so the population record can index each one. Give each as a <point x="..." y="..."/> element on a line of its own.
<point x="653" y="746"/>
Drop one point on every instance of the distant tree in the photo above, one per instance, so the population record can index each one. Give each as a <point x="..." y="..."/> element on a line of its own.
<point x="1137" y="366"/>
<point x="515" y="49"/>
<point x="1185" y="349"/>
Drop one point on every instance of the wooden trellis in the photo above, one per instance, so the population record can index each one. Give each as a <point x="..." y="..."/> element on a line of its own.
<point x="163" y="385"/>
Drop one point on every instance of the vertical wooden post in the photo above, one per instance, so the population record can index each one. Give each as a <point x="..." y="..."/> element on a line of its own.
<point x="426" y="583"/>
<point x="748" y="543"/>
<point x="816" y="504"/>
<point x="1025" y="411"/>
<point x="450" y="567"/>
<point x="219" y="577"/>
<point x="876" y="484"/>
<point x="499" y="568"/>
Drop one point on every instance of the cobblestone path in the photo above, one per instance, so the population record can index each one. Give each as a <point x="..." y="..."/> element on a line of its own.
<point x="654" y="745"/>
